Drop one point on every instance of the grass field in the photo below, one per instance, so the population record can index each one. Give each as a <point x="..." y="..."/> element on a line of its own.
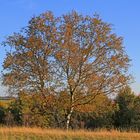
<point x="22" y="133"/>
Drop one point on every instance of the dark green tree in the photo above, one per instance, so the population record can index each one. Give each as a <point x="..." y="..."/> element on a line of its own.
<point x="124" y="116"/>
<point x="136" y="119"/>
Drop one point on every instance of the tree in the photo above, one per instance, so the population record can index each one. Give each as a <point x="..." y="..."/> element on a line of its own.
<point x="136" y="119"/>
<point x="73" y="53"/>
<point x="126" y="112"/>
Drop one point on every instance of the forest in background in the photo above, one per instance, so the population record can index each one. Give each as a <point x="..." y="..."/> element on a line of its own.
<point x="122" y="113"/>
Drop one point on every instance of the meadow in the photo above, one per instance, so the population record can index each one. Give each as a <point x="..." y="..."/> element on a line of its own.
<point x="22" y="133"/>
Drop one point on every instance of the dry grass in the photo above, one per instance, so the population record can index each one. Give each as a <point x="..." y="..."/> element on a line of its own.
<point x="22" y="133"/>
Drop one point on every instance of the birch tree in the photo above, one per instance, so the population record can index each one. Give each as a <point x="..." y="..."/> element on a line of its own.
<point x="77" y="54"/>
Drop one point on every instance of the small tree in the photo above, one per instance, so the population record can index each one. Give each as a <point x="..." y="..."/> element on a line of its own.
<point x="126" y="113"/>
<point x="136" y="120"/>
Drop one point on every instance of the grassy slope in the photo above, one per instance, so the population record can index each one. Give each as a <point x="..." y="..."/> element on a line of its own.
<point x="49" y="134"/>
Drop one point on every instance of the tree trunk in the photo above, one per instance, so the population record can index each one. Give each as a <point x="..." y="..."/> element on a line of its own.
<point x="70" y="112"/>
<point x="69" y="118"/>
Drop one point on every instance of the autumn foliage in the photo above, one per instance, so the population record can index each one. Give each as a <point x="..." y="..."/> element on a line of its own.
<point x="66" y="61"/>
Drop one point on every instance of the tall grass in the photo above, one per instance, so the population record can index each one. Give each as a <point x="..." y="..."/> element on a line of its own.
<point x="22" y="133"/>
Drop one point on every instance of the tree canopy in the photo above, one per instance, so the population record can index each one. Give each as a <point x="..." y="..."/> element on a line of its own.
<point x="75" y="54"/>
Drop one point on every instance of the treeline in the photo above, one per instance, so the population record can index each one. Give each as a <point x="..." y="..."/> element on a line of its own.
<point x="122" y="112"/>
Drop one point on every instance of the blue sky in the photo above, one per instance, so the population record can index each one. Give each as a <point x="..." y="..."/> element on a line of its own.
<point x="123" y="14"/>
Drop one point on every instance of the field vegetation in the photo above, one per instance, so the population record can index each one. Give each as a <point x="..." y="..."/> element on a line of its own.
<point x="23" y="133"/>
